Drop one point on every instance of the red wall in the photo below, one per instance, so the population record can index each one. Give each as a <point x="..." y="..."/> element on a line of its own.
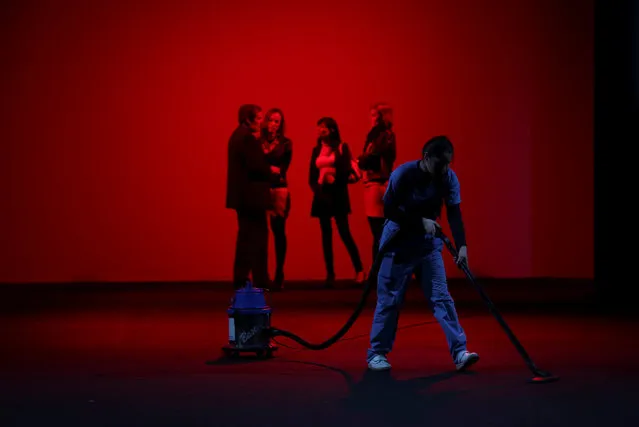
<point x="117" y="117"/>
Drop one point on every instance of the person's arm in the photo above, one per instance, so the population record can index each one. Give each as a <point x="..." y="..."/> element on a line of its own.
<point x="363" y="158"/>
<point x="384" y="144"/>
<point x="342" y="163"/>
<point x="313" y="173"/>
<point x="372" y="136"/>
<point x="456" y="225"/>
<point x="286" y="158"/>
<point x="383" y="147"/>
<point x="390" y="153"/>
<point x="258" y="167"/>
<point x="395" y="200"/>
<point x="453" y="212"/>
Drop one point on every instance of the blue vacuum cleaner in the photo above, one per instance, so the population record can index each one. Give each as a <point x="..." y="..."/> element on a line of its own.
<point x="249" y="324"/>
<point x="250" y="328"/>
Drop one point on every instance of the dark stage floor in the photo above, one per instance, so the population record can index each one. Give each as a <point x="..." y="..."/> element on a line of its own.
<point x="131" y="355"/>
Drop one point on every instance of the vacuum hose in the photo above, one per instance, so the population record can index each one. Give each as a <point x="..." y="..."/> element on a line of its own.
<point x="370" y="282"/>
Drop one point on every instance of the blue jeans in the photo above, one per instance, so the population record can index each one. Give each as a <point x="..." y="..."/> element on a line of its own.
<point x="395" y="272"/>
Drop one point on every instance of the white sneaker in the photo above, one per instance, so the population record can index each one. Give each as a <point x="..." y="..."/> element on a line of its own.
<point x="465" y="360"/>
<point x="379" y="363"/>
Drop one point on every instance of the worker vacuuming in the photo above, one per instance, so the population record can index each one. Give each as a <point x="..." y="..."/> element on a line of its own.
<point x="413" y="201"/>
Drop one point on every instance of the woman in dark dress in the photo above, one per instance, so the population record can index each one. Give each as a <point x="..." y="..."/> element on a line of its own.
<point x="279" y="151"/>
<point x="329" y="174"/>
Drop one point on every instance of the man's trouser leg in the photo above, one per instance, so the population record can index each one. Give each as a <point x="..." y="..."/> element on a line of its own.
<point x="251" y="249"/>
<point x="435" y="287"/>
<point x="394" y="275"/>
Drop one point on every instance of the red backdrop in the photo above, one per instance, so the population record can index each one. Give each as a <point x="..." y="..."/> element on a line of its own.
<point x="117" y="117"/>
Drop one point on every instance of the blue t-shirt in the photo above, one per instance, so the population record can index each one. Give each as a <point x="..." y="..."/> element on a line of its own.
<point x="412" y="195"/>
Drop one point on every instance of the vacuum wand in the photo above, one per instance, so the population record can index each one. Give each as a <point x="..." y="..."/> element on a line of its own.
<point x="539" y="375"/>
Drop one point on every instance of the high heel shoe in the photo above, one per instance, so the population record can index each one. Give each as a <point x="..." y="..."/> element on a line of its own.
<point x="278" y="282"/>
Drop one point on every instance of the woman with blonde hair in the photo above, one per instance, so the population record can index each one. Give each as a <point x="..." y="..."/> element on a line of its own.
<point x="376" y="162"/>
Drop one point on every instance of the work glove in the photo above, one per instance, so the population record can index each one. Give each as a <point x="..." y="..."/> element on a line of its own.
<point x="462" y="256"/>
<point x="430" y="226"/>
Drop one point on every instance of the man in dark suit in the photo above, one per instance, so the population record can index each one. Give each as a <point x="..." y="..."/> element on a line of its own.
<point x="248" y="192"/>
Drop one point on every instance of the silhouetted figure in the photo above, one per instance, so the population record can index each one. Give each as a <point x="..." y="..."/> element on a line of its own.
<point x="376" y="163"/>
<point x="329" y="172"/>
<point x="249" y="178"/>
<point x="279" y="151"/>
<point x="412" y="204"/>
